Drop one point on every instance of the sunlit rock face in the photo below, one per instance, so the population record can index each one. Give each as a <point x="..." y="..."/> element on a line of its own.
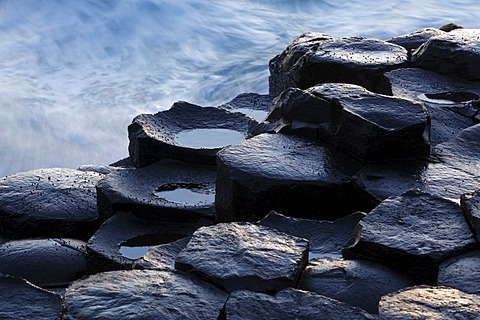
<point x="426" y="302"/>
<point x="448" y="99"/>
<point x="461" y="272"/>
<point x="22" y="300"/>
<point x="117" y="243"/>
<point x="185" y="132"/>
<point x="453" y="53"/>
<point x="414" y="232"/>
<point x="289" y="302"/>
<point x="326" y="238"/>
<point x="168" y="190"/>
<point x="44" y="262"/>
<point x="287" y="174"/>
<point x="49" y="203"/>
<point x="415" y="39"/>
<point x="470" y="203"/>
<point x="143" y="294"/>
<point x="239" y="256"/>
<point x="316" y="58"/>
<point x="359" y="283"/>
<point x="254" y="105"/>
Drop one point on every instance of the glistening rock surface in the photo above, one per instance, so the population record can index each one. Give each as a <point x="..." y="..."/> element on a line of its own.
<point x="430" y="303"/>
<point x="288" y="304"/>
<point x="239" y="256"/>
<point x="470" y="203"/>
<point x="315" y="58"/>
<point x="415" y="39"/>
<point x="414" y="232"/>
<point x="252" y="104"/>
<point x="143" y="294"/>
<point x="49" y="203"/>
<point x="461" y="272"/>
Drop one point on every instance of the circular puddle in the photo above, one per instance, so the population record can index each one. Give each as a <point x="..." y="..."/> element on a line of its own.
<point x="209" y="138"/>
<point x="258" y="115"/>
<point x="448" y="97"/>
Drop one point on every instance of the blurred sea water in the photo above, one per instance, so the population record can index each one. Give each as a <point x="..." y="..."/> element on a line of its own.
<point x="73" y="74"/>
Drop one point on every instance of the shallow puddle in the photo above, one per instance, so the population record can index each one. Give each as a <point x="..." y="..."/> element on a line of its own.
<point x="209" y="138"/>
<point x="187" y="196"/>
<point x="134" y="252"/>
<point x="258" y="115"/>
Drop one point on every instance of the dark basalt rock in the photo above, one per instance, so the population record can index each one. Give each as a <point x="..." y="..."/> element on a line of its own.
<point x="161" y="257"/>
<point x="287" y="174"/>
<point x="414" y="232"/>
<point x="239" y="256"/>
<point x="316" y="58"/>
<point x="327" y="238"/>
<point x="454" y="53"/>
<point x="49" y="203"/>
<point x="288" y="304"/>
<point x="158" y="136"/>
<point x="168" y="190"/>
<point x="461" y="272"/>
<point x="470" y="203"/>
<point x="143" y="294"/>
<point x="426" y="302"/>
<point x="252" y="104"/>
<point x="44" y="262"/>
<point x="448" y="99"/>
<point x="415" y="39"/>
<point x="127" y="230"/>
<point x="21" y="300"/>
<point x="358" y="283"/>
<point x="372" y="126"/>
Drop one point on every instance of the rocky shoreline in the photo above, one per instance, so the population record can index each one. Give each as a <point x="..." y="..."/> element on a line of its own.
<point x="351" y="191"/>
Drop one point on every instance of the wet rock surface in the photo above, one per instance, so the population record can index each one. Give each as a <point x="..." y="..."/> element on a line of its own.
<point x="415" y="39"/>
<point x="49" y="203"/>
<point x="44" y="262"/>
<point x="162" y="256"/>
<point x="22" y="300"/>
<point x="429" y="303"/>
<point x="159" y="136"/>
<point x="358" y="283"/>
<point x="414" y="232"/>
<point x="288" y="174"/>
<point x="252" y="104"/>
<point x="143" y="294"/>
<point x="239" y="256"/>
<point x="461" y="272"/>
<point x="326" y="238"/>
<point x="470" y="203"/>
<point x="168" y="190"/>
<point x="453" y="53"/>
<point x="128" y="232"/>
<point x="288" y="303"/>
<point x="316" y="58"/>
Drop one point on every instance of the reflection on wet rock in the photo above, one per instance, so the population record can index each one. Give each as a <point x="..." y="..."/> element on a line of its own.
<point x="252" y="104"/>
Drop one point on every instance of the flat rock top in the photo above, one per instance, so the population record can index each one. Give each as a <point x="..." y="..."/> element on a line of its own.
<point x="430" y="303"/>
<point x="21" y="300"/>
<point x="285" y="158"/>
<point x="466" y="39"/>
<point x="289" y="304"/>
<point x="461" y="272"/>
<point x="415" y="39"/>
<point x="143" y="294"/>
<point x="418" y="223"/>
<point x="50" y="194"/>
<point x="235" y="254"/>
<point x="387" y="112"/>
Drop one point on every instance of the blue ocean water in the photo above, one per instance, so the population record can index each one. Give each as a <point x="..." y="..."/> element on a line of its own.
<point x="73" y="74"/>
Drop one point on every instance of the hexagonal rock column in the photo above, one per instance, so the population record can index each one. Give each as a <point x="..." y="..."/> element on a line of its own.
<point x="185" y="132"/>
<point x="240" y="256"/>
<point x="168" y="190"/>
<point x="315" y="58"/>
<point x="19" y="299"/>
<point x="143" y="294"/>
<point x="461" y="272"/>
<point x="49" y="203"/>
<point x="372" y="126"/>
<point x="288" y="304"/>
<point x="287" y="174"/>
<point x="252" y="104"/>
<point x="45" y="262"/>
<point x="358" y="283"/>
<point x="124" y="238"/>
<point x="452" y="53"/>
<point x="470" y="203"/>
<point x="415" y="39"/>
<point x="414" y="232"/>
<point x="327" y="238"/>
<point x="426" y="302"/>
